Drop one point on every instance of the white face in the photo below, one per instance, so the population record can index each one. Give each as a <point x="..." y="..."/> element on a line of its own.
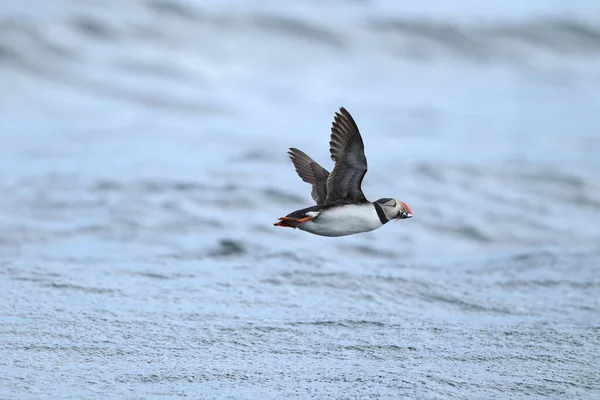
<point x="395" y="209"/>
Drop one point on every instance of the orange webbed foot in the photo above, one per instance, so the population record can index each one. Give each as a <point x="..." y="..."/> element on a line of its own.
<point x="291" y="222"/>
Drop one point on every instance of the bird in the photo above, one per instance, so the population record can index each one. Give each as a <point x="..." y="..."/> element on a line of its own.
<point x="341" y="207"/>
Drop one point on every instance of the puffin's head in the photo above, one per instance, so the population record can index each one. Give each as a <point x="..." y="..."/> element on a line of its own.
<point x="394" y="209"/>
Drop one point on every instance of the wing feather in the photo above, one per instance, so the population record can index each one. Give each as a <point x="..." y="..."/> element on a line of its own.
<point x="311" y="172"/>
<point x="348" y="152"/>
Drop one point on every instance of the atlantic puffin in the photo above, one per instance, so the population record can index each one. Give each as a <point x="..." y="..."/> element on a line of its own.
<point x="341" y="208"/>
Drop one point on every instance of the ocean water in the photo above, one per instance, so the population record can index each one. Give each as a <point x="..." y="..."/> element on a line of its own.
<point x="143" y="162"/>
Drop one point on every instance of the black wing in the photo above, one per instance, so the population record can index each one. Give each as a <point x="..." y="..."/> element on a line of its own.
<point x="311" y="172"/>
<point x="348" y="153"/>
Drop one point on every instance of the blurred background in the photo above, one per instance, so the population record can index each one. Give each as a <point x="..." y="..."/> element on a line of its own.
<point x="143" y="161"/>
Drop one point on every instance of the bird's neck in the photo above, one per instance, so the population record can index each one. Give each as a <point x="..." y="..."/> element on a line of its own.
<point x="381" y="214"/>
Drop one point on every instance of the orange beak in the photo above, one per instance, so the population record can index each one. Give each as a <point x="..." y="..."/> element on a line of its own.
<point x="407" y="210"/>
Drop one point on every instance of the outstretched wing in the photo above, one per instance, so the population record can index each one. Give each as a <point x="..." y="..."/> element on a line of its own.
<point x="311" y="172"/>
<point x="348" y="153"/>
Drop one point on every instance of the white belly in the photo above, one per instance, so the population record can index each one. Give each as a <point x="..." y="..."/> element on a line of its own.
<point x="342" y="221"/>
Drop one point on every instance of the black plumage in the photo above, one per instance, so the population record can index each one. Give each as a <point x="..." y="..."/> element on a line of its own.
<point x="343" y="184"/>
<point x="348" y="153"/>
<point x="311" y="172"/>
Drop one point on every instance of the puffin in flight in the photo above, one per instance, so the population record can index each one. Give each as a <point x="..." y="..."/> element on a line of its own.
<point x="341" y="208"/>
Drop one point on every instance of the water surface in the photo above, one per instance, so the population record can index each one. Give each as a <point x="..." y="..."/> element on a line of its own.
<point x="143" y="149"/>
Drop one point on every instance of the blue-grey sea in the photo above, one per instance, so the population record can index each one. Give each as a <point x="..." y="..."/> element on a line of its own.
<point x="143" y="163"/>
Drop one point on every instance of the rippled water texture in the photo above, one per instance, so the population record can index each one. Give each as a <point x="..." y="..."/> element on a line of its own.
<point x="143" y="162"/>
